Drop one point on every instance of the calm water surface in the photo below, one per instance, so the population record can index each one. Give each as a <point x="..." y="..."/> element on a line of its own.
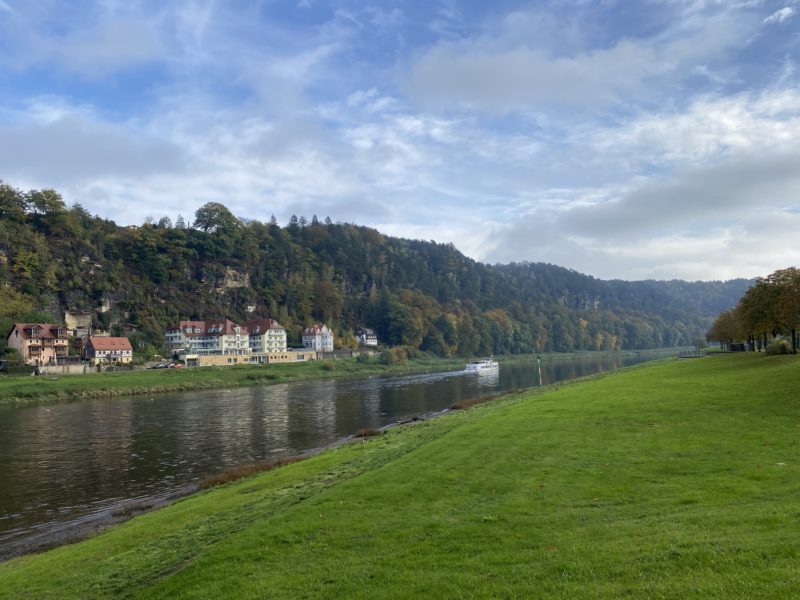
<point x="73" y="461"/>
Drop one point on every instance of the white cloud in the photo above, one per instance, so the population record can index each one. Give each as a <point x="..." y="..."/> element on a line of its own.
<point x="780" y="16"/>
<point x="514" y="79"/>
<point x="501" y="72"/>
<point x="722" y="192"/>
<point x="93" y="50"/>
<point x="59" y="144"/>
<point x="749" y="249"/>
<point x="709" y="128"/>
<point x="589" y="147"/>
<point x="676" y="182"/>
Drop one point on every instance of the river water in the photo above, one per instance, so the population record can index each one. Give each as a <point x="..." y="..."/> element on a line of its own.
<point x="65" y="464"/>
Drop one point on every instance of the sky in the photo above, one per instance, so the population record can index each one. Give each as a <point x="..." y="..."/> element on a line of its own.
<point x="623" y="139"/>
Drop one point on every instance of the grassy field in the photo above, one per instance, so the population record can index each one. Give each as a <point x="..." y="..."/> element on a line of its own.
<point x="23" y="389"/>
<point x="679" y="479"/>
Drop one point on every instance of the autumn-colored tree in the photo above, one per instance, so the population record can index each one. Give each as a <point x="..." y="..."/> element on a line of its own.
<point x="727" y="328"/>
<point x="787" y="301"/>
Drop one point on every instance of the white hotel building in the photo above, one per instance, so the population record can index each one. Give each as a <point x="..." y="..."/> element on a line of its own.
<point x="204" y="338"/>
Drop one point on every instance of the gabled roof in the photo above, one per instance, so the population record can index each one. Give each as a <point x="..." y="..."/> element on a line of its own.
<point x="317" y="329"/>
<point x="225" y="326"/>
<point x="260" y="326"/>
<point x="184" y="325"/>
<point x="109" y="343"/>
<point x="48" y="329"/>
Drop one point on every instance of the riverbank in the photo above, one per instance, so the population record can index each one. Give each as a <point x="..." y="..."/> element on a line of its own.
<point x="675" y="479"/>
<point x="156" y="381"/>
<point x="15" y="390"/>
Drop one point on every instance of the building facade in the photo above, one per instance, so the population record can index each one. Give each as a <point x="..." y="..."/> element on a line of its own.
<point x="267" y="336"/>
<point x="366" y="337"/>
<point x="215" y="337"/>
<point x="106" y="350"/>
<point x="318" y="338"/>
<point x="40" y="343"/>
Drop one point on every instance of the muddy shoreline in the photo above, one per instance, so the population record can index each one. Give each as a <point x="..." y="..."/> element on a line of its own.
<point x="87" y="526"/>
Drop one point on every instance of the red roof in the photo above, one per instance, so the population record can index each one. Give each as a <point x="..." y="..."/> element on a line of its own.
<point x="49" y="330"/>
<point x="317" y="329"/>
<point x="259" y="326"/>
<point x="184" y="325"/>
<point x="226" y="327"/>
<point x="109" y="343"/>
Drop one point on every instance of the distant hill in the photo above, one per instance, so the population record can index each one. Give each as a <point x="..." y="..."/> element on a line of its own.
<point x="424" y="295"/>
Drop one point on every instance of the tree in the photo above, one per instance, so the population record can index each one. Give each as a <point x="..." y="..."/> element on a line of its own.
<point x="46" y="202"/>
<point x="12" y="203"/>
<point x="787" y="301"/>
<point x="757" y="311"/>
<point x="726" y="329"/>
<point x="213" y="217"/>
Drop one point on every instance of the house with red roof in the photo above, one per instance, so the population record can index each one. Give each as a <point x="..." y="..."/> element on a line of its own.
<point x="40" y="344"/>
<point x="105" y="350"/>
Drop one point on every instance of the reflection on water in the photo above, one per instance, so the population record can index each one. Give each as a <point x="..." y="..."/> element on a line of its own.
<point x="61" y="462"/>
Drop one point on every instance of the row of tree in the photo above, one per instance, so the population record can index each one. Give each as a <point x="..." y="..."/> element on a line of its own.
<point x="769" y="308"/>
<point x="424" y="295"/>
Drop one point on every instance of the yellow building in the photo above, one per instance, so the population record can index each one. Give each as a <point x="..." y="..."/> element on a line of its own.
<point x="264" y="358"/>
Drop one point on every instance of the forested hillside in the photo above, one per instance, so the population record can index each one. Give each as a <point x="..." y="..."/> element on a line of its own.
<point x="136" y="280"/>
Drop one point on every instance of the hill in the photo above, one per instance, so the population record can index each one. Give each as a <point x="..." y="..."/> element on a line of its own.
<point x="423" y="295"/>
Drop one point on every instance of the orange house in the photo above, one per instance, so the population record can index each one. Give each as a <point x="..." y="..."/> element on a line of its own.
<point x="39" y="343"/>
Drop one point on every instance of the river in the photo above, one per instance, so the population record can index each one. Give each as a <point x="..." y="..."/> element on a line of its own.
<point x="67" y="464"/>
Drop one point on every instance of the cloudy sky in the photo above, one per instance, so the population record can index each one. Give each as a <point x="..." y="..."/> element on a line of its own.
<point x="647" y="139"/>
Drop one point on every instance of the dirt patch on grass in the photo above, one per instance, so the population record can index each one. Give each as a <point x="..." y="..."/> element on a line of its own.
<point x="464" y="404"/>
<point x="367" y="432"/>
<point x="246" y="471"/>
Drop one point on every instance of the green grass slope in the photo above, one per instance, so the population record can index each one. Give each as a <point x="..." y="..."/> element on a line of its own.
<point x="674" y="480"/>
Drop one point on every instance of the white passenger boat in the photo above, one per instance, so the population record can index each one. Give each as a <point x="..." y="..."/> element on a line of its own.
<point x="479" y="366"/>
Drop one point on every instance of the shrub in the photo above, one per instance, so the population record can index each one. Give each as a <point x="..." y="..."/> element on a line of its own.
<point x="778" y="347"/>
<point x="394" y="356"/>
<point x="401" y="354"/>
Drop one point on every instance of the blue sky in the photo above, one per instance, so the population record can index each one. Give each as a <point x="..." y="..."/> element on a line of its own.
<point x="648" y="139"/>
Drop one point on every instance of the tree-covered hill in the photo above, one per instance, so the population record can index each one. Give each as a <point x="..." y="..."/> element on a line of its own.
<point x="136" y="280"/>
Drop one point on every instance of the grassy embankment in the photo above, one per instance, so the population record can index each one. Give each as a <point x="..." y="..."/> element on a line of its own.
<point x="678" y="479"/>
<point x="22" y="389"/>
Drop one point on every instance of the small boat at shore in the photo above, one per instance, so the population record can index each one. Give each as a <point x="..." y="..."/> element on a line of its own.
<point x="482" y="365"/>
